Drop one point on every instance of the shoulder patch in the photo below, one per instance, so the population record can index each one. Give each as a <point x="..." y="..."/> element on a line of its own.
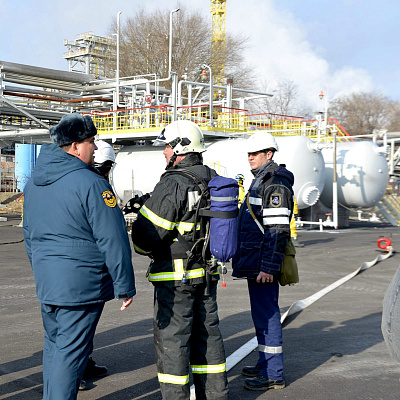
<point x="275" y="200"/>
<point x="109" y="198"/>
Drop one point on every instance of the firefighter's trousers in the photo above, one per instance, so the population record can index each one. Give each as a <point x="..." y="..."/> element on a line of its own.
<point x="186" y="333"/>
<point x="267" y="321"/>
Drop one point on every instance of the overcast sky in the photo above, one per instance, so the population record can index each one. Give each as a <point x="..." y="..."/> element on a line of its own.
<point x="346" y="45"/>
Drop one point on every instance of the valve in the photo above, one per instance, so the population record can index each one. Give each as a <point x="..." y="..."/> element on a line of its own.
<point x="222" y="271"/>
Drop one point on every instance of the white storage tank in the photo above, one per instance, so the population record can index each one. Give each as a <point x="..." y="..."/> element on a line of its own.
<point x="362" y="174"/>
<point x="228" y="157"/>
<point x="361" y="167"/>
<point x="137" y="169"/>
<point x="302" y="157"/>
<point x="300" y="154"/>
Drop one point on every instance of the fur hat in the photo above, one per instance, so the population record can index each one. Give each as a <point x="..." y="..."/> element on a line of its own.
<point x="72" y="128"/>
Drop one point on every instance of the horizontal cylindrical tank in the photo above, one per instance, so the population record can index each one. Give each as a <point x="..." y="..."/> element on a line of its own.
<point x="361" y="169"/>
<point x="302" y="157"/>
<point x="137" y="169"/>
<point x="300" y="154"/>
<point x="229" y="159"/>
<point x="362" y="174"/>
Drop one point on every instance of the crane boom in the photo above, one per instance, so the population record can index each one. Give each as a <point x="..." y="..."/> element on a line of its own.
<point x="218" y="42"/>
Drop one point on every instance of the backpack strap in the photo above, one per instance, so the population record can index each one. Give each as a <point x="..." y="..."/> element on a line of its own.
<point x="252" y="214"/>
<point x="190" y="246"/>
<point x="196" y="179"/>
<point x="218" y="214"/>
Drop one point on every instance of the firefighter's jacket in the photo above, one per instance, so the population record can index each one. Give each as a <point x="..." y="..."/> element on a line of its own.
<point x="271" y="200"/>
<point x="171" y="209"/>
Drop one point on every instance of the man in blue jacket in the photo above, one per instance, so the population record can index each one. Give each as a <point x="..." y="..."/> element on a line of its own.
<point x="78" y="246"/>
<point x="263" y="233"/>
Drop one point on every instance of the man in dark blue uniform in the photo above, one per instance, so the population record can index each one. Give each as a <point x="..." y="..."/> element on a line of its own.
<point x="77" y="243"/>
<point x="263" y="233"/>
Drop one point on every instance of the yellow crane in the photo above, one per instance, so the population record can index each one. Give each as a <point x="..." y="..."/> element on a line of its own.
<point x="218" y="42"/>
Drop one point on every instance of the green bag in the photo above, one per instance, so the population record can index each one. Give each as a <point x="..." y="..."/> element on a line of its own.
<point x="289" y="274"/>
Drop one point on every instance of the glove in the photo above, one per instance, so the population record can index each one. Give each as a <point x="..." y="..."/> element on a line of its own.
<point x="135" y="204"/>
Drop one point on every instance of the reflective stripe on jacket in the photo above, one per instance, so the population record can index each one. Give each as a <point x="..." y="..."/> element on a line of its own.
<point x="171" y="209"/>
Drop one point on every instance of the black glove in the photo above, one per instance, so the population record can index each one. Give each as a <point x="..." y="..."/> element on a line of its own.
<point x="135" y="204"/>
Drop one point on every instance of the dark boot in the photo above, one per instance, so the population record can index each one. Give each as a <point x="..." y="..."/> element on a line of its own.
<point x="251" y="371"/>
<point x="262" y="383"/>
<point x="94" y="371"/>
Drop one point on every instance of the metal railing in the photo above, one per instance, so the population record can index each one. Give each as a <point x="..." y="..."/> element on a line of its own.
<point x="227" y="120"/>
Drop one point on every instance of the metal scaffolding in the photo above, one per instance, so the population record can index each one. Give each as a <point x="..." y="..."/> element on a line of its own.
<point x="91" y="54"/>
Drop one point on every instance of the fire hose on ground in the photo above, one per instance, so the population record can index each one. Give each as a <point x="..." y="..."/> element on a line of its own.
<point x="300" y="305"/>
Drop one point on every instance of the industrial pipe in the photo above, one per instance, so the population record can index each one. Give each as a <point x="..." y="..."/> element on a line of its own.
<point x="49" y="98"/>
<point x="46" y="73"/>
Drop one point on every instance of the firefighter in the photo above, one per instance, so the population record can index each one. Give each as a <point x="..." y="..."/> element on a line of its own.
<point x="263" y="232"/>
<point x="104" y="158"/>
<point x="186" y="323"/>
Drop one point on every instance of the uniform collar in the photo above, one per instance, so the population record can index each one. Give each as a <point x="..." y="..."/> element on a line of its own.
<point x="262" y="170"/>
<point x="190" y="160"/>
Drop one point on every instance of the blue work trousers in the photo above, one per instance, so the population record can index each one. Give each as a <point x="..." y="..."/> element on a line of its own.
<point x="267" y="321"/>
<point x="68" y="342"/>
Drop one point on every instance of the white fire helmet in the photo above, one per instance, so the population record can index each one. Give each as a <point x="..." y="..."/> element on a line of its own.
<point x="104" y="152"/>
<point x="183" y="136"/>
<point x="260" y="141"/>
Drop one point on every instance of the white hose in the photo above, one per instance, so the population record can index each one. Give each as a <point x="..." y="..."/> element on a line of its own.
<point x="295" y="308"/>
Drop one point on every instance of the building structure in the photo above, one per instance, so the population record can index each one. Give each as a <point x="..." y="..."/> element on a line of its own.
<point x="91" y="54"/>
<point x="7" y="173"/>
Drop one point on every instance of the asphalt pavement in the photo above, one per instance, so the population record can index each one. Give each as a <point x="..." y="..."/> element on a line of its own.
<point x="333" y="349"/>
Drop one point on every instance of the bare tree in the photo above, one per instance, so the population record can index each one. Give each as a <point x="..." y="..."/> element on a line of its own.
<point x="284" y="100"/>
<point x="361" y="113"/>
<point x="394" y="117"/>
<point x="144" y="46"/>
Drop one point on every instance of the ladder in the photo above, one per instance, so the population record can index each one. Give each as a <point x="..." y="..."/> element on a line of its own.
<point x="389" y="206"/>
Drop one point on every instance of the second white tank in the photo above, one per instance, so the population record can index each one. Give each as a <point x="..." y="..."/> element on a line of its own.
<point x="298" y="153"/>
<point x="362" y="174"/>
